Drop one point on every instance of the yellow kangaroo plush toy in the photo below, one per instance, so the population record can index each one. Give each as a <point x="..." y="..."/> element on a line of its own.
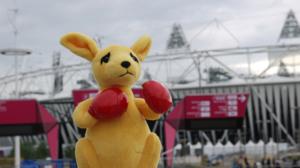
<point x="117" y="135"/>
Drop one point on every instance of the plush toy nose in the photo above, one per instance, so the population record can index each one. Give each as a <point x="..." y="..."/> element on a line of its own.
<point x="125" y="64"/>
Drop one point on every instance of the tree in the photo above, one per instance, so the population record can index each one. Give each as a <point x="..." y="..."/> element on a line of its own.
<point x="41" y="151"/>
<point x="69" y="152"/>
<point x="27" y="150"/>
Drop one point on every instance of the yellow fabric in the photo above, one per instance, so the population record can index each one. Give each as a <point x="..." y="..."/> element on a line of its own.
<point x="80" y="44"/>
<point x="124" y="142"/>
<point x="142" y="47"/>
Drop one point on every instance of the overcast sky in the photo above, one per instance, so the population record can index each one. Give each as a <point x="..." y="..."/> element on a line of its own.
<point x="42" y="23"/>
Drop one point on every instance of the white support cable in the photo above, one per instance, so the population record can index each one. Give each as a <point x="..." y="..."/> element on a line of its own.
<point x="157" y="70"/>
<point x="224" y="135"/>
<point x="3" y="89"/>
<point x="155" y="126"/>
<point x="186" y="71"/>
<point x="82" y="66"/>
<point x="229" y="32"/>
<point x="226" y="67"/>
<point x="197" y="63"/>
<point x="206" y="137"/>
<point x="75" y="134"/>
<point x="166" y="152"/>
<point x="69" y="130"/>
<point x="200" y="32"/>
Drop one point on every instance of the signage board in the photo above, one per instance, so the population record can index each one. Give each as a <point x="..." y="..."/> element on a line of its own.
<point x="215" y="106"/>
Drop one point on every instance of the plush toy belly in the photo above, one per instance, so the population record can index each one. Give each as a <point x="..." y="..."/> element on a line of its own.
<point x="120" y="142"/>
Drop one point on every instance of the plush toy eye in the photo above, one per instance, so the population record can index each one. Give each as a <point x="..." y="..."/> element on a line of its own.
<point x="134" y="58"/>
<point x="105" y="59"/>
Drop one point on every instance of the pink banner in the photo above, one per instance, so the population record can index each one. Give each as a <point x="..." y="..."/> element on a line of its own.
<point x="52" y="137"/>
<point x="170" y="134"/>
<point x="18" y="111"/>
<point x="215" y="106"/>
<point x="47" y="119"/>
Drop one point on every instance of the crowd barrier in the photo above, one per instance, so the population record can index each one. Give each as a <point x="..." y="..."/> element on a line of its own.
<point x="61" y="163"/>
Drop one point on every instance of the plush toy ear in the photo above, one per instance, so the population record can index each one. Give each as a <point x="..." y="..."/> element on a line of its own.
<point x="80" y="44"/>
<point x="141" y="47"/>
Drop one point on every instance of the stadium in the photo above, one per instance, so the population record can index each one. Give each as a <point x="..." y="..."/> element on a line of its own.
<point x="264" y="77"/>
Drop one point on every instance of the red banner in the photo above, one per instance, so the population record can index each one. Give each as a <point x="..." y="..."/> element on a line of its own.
<point x="215" y="106"/>
<point x="18" y="112"/>
<point x="80" y="95"/>
<point x="27" y="117"/>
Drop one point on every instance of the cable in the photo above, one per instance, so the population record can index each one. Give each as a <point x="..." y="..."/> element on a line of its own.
<point x="229" y="32"/>
<point x="201" y="31"/>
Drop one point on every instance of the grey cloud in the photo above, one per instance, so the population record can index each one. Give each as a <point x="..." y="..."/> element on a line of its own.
<point x="41" y="23"/>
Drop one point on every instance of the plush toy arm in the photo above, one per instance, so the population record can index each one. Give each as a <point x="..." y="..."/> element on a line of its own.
<point x="146" y="110"/>
<point x="81" y="116"/>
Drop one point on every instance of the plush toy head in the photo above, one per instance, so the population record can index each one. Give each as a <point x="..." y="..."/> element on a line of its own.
<point x="114" y="66"/>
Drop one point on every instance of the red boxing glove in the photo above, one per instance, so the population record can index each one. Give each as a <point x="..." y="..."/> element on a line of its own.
<point x="157" y="96"/>
<point x="110" y="103"/>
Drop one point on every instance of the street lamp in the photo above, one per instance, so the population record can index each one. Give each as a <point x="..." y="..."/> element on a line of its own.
<point x="16" y="53"/>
